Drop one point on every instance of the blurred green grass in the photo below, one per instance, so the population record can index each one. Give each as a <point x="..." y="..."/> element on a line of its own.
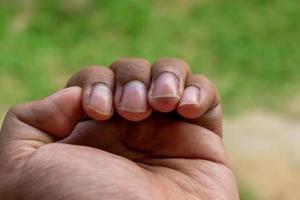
<point x="250" y="49"/>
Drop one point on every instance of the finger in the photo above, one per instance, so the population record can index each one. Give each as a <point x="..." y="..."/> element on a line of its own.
<point x="31" y="125"/>
<point x="98" y="85"/>
<point x="168" y="80"/>
<point x="200" y="102"/>
<point x="132" y="82"/>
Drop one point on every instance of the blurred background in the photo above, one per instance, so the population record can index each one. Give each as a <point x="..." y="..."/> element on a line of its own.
<point x="249" y="48"/>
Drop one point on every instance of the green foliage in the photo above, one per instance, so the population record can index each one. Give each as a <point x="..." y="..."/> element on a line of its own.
<point x="249" y="48"/>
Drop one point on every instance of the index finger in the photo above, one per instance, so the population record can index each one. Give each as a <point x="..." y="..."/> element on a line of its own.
<point x="98" y="87"/>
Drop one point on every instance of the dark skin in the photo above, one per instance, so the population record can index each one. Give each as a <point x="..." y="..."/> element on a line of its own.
<point x="131" y="131"/>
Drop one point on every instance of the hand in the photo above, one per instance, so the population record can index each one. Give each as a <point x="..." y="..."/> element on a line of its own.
<point x="71" y="145"/>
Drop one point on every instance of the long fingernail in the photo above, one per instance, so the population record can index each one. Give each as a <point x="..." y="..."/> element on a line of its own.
<point x="166" y="85"/>
<point x="134" y="97"/>
<point x="191" y="95"/>
<point x="100" y="99"/>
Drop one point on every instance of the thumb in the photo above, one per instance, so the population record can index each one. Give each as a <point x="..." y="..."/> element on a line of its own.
<point x="31" y="125"/>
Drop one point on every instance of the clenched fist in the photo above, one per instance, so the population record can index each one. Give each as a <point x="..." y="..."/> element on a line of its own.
<point x="133" y="131"/>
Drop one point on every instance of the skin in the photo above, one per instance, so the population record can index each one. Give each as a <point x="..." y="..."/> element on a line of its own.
<point x="128" y="140"/>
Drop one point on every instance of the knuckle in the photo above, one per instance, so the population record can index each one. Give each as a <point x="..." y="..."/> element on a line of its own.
<point x="128" y="62"/>
<point x="128" y="69"/>
<point x="172" y="64"/>
<point x="90" y="68"/>
<point x="199" y="79"/>
<point x="171" y="60"/>
<point x="130" y="65"/>
<point x="91" y="75"/>
<point x="96" y="69"/>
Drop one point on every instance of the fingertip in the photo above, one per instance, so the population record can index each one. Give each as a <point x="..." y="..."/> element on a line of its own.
<point x="190" y="103"/>
<point x="164" y="104"/>
<point x="135" y="116"/>
<point x="98" y="84"/>
<point x="189" y="111"/>
<point x="97" y="102"/>
<point x="131" y="101"/>
<point x="164" y="92"/>
<point x="97" y="114"/>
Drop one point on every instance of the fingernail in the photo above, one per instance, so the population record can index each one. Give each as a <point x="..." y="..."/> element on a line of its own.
<point x="134" y="97"/>
<point x="191" y="95"/>
<point x="166" y="85"/>
<point x="100" y="99"/>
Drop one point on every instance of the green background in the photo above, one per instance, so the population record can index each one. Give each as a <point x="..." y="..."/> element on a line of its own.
<point x="249" y="48"/>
